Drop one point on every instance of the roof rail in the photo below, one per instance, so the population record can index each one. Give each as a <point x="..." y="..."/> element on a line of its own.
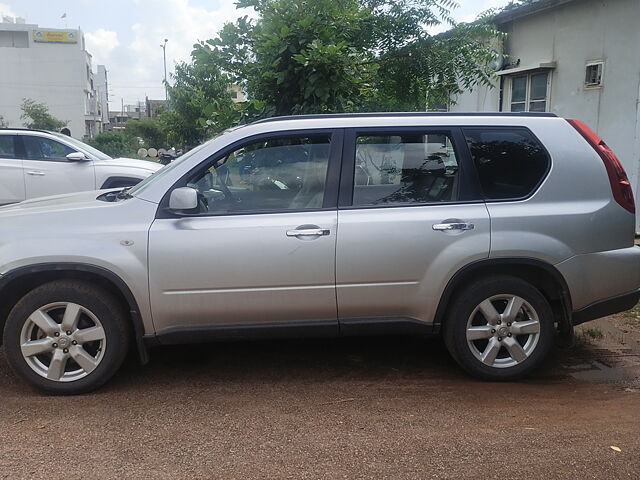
<point x="404" y="114"/>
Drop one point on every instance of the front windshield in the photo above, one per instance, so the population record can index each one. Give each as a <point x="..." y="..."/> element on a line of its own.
<point x="166" y="169"/>
<point x="83" y="146"/>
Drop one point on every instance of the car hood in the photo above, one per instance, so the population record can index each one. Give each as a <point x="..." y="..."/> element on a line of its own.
<point x="55" y="203"/>
<point x="131" y="163"/>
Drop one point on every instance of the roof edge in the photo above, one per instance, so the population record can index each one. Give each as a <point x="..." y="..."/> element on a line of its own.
<point x="529" y="9"/>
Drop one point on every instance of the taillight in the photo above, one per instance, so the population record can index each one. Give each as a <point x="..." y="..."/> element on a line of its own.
<point x="620" y="185"/>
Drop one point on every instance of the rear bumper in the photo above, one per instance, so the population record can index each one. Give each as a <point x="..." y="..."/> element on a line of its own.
<point x="608" y="306"/>
<point x="597" y="277"/>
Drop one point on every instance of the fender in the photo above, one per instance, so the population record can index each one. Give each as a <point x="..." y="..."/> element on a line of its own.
<point x="119" y="284"/>
<point x="504" y="265"/>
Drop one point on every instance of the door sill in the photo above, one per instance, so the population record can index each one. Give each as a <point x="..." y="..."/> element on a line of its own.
<point x="348" y="327"/>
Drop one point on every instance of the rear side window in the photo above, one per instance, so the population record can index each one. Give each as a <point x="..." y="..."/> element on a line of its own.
<point x="404" y="169"/>
<point x="7" y="146"/>
<point x="510" y="162"/>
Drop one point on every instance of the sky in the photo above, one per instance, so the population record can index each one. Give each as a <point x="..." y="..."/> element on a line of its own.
<point x="125" y="35"/>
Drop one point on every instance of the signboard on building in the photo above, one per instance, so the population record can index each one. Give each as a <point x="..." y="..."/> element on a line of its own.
<point x="51" y="36"/>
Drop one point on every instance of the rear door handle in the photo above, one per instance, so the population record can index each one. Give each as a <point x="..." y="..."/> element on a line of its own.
<point x="453" y="226"/>
<point x="37" y="173"/>
<point x="308" y="232"/>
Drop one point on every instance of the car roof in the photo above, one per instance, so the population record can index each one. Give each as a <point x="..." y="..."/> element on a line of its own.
<point x="30" y="130"/>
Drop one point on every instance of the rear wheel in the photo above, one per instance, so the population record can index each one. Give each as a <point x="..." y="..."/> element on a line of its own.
<point x="499" y="328"/>
<point x="66" y="337"/>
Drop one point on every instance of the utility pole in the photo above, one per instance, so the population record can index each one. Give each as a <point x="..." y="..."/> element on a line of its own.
<point x="164" y="59"/>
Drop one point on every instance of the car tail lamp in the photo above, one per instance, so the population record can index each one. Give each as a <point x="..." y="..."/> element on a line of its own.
<point x="620" y="186"/>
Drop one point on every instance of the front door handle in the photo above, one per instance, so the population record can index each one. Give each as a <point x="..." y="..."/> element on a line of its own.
<point x="308" y="232"/>
<point x="453" y="226"/>
<point x="37" y="173"/>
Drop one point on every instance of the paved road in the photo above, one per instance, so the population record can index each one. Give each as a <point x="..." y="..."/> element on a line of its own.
<point x="365" y="408"/>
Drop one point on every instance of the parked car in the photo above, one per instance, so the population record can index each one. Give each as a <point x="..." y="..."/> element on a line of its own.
<point x="37" y="163"/>
<point x="499" y="231"/>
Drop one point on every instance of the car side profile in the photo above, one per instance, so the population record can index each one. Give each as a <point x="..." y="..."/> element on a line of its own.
<point x="495" y="231"/>
<point x="37" y="163"/>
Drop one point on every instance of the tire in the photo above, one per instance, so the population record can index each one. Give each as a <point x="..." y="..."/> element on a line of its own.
<point x="41" y="350"/>
<point x="490" y="341"/>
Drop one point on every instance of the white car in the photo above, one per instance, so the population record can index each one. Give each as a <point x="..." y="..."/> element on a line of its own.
<point x="37" y="163"/>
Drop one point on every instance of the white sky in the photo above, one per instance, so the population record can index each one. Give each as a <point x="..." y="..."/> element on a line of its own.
<point x="125" y="35"/>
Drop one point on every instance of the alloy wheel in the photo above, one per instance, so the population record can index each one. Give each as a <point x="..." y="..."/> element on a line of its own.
<point x="503" y="331"/>
<point x="63" y="341"/>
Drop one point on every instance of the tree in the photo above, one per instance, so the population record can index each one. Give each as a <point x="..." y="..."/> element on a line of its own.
<point x="149" y="130"/>
<point x="310" y="56"/>
<point x="37" y="116"/>
<point x="115" y="144"/>
<point x="200" y="103"/>
<point x="3" y="124"/>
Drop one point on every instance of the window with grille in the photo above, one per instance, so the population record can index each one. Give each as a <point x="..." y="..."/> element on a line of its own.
<point x="593" y="75"/>
<point x="529" y="92"/>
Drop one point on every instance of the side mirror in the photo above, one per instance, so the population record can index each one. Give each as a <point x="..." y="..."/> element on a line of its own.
<point x="183" y="198"/>
<point x="77" y="157"/>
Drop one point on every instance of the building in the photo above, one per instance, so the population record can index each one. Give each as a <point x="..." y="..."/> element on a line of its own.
<point x="118" y="119"/>
<point x="49" y="66"/>
<point x="101" y="85"/>
<point x="578" y="59"/>
<point x="237" y="94"/>
<point x="155" y="107"/>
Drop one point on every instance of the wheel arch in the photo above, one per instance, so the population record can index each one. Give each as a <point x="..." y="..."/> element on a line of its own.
<point x="544" y="276"/>
<point x="16" y="283"/>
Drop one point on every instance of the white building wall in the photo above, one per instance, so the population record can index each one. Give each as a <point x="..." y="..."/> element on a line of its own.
<point x="572" y="35"/>
<point x="51" y="73"/>
<point x="102" y="86"/>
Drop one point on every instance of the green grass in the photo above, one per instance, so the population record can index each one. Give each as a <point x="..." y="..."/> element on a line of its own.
<point x="632" y="317"/>
<point x="635" y="311"/>
<point x="594" y="333"/>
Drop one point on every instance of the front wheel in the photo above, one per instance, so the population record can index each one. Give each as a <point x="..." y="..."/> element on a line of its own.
<point x="66" y="337"/>
<point x="499" y="328"/>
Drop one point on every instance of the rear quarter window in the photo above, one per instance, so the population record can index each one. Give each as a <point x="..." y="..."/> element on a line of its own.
<point x="510" y="162"/>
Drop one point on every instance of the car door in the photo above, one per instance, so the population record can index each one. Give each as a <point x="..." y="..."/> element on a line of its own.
<point x="11" y="172"/>
<point x="260" y="248"/>
<point x="47" y="171"/>
<point x="409" y="218"/>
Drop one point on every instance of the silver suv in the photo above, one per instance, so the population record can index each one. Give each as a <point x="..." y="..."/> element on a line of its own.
<point x="499" y="231"/>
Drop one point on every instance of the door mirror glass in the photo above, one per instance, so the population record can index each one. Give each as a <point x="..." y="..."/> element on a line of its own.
<point x="77" y="157"/>
<point x="183" y="198"/>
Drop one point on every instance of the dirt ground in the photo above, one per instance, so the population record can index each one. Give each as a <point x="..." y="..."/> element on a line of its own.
<point x="360" y="408"/>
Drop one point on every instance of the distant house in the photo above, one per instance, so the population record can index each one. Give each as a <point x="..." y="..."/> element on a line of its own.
<point x="577" y="58"/>
<point x="237" y="94"/>
<point x="154" y="107"/>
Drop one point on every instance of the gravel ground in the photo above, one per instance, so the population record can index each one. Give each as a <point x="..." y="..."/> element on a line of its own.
<point x="365" y="408"/>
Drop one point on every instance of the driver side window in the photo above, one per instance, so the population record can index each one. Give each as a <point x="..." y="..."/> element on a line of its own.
<point x="284" y="173"/>
<point x="39" y="148"/>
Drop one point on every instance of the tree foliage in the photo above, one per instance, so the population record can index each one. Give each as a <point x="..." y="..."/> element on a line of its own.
<point x="3" y="124"/>
<point x="36" y="115"/>
<point x="149" y="130"/>
<point x="200" y="103"/>
<point x="310" y="56"/>
<point x="115" y="144"/>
